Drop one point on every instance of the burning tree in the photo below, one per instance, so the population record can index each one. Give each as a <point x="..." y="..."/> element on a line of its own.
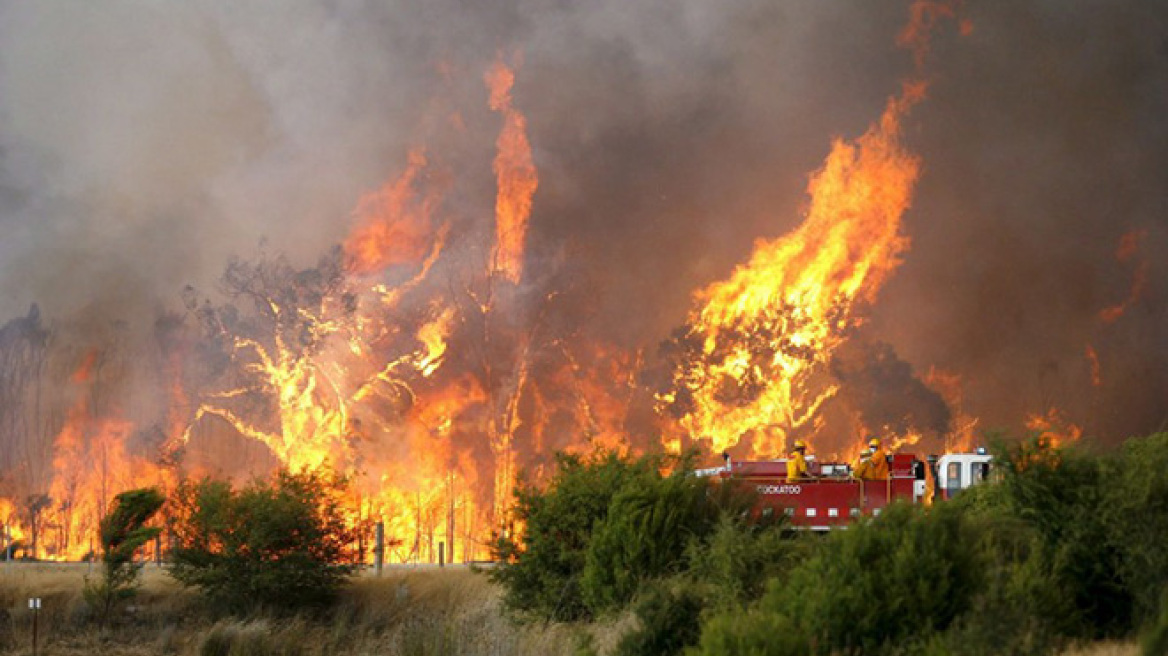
<point x="753" y="361"/>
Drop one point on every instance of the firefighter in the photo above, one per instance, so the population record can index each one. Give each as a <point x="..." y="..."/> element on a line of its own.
<point x="878" y="470"/>
<point x="863" y="464"/>
<point x="797" y="463"/>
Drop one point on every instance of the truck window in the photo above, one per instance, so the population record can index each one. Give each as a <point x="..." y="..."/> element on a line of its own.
<point x="981" y="471"/>
<point x="953" y="482"/>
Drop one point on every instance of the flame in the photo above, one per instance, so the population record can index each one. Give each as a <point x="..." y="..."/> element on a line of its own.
<point x="1128" y="249"/>
<point x="962" y="437"/>
<point x="923" y="18"/>
<point x="515" y="173"/>
<point x="366" y="375"/>
<point x="431" y="386"/>
<point x="84" y="372"/>
<point x="90" y="466"/>
<point x="393" y="223"/>
<point x="760" y="338"/>
<point x="1054" y="428"/>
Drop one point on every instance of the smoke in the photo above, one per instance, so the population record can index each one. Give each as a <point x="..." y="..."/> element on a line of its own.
<point x="885" y="392"/>
<point x="144" y="144"/>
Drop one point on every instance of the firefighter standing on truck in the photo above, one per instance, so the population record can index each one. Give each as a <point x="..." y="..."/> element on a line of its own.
<point x="878" y="469"/>
<point x="863" y="464"/>
<point x="797" y="463"/>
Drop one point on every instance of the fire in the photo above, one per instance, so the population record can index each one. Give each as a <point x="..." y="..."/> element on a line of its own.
<point x="963" y="436"/>
<point x="515" y="173"/>
<point x="354" y="362"/>
<point x="1128" y="249"/>
<point x="406" y="362"/>
<point x="393" y="223"/>
<point x="90" y="467"/>
<point x="758" y="342"/>
<point x="1054" y="428"/>
<point x="923" y="18"/>
<point x="91" y="464"/>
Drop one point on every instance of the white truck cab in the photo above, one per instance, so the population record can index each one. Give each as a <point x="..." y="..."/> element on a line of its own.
<point x="956" y="472"/>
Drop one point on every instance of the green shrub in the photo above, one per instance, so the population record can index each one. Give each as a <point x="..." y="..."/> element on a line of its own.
<point x="644" y="535"/>
<point x="738" y="557"/>
<point x="283" y="544"/>
<point x="751" y="633"/>
<point x="669" y="620"/>
<point x="1134" y="509"/>
<point x="1020" y="605"/>
<point x="904" y="576"/>
<point x="122" y="532"/>
<point x="542" y="563"/>
<point x="1061" y="494"/>
<point x="1154" y="641"/>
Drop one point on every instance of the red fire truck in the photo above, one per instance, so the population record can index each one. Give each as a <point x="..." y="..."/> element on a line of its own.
<point x="831" y="497"/>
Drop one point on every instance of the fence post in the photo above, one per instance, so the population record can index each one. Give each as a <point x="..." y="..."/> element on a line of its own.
<point x="379" y="547"/>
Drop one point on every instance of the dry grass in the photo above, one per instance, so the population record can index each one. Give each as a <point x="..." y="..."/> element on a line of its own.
<point x="1105" y="649"/>
<point x="412" y="612"/>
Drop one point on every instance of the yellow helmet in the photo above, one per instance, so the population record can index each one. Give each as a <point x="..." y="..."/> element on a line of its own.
<point x="800" y="444"/>
<point x="874" y="443"/>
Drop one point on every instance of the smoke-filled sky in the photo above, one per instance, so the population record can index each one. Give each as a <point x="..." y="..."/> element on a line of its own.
<point x="144" y="143"/>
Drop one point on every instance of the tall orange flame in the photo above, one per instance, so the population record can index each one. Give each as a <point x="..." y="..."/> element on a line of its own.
<point x="766" y="332"/>
<point x="394" y="222"/>
<point x="515" y="173"/>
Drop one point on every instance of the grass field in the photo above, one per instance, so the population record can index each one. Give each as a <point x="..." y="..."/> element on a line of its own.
<point x="418" y="612"/>
<point x="411" y="612"/>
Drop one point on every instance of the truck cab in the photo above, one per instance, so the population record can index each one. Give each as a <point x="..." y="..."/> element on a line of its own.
<point x="959" y="471"/>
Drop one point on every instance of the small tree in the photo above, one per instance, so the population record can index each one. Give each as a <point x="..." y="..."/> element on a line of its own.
<point x="644" y="535"/>
<point x="286" y="543"/>
<point x="542" y="564"/>
<point x="123" y="532"/>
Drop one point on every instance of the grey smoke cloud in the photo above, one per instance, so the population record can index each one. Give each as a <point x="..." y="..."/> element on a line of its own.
<point x="142" y="144"/>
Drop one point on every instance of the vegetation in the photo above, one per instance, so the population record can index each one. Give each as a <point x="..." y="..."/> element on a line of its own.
<point x="408" y="613"/>
<point x="123" y="531"/>
<point x="546" y="559"/>
<point x="1064" y="546"/>
<point x="285" y="543"/>
<point x="1061" y="550"/>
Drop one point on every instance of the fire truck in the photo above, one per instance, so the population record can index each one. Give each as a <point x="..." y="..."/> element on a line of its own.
<point x="831" y="498"/>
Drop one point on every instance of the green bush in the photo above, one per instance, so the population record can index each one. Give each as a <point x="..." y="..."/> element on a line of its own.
<point x="669" y="620"/>
<point x="1154" y="641"/>
<point x="542" y="563"/>
<point x="1060" y="493"/>
<point x="738" y="557"/>
<point x="1019" y="606"/>
<point x="644" y="535"/>
<point x="122" y="532"/>
<point x="905" y="576"/>
<point x="1135" y="511"/>
<point x="751" y="633"/>
<point x="283" y="544"/>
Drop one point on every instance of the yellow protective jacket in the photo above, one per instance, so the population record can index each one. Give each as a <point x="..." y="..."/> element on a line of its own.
<point x="796" y="467"/>
<point x="878" y="470"/>
<point x="862" y="468"/>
